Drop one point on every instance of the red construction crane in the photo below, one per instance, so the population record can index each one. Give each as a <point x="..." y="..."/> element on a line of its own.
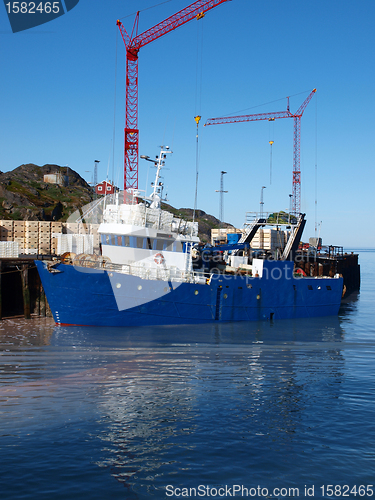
<point x="296" y="200"/>
<point x="132" y="45"/>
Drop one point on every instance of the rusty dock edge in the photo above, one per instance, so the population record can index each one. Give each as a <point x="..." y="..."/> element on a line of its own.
<point x="330" y="263"/>
<point x="21" y="291"/>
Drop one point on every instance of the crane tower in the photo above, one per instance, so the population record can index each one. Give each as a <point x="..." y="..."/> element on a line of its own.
<point x="296" y="186"/>
<point x="133" y="44"/>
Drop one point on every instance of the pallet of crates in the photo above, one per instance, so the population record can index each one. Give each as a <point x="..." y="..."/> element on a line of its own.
<point x="8" y="249"/>
<point x="262" y="239"/>
<point x="258" y="238"/>
<point x="44" y="237"/>
<point x="56" y="230"/>
<point x="71" y="227"/>
<point x="218" y="235"/>
<point x="6" y="230"/>
<point x="19" y="234"/>
<point x="95" y="237"/>
<point x="56" y="227"/>
<point x="31" y="237"/>
<point x="83" y="228"/>
<point x="62" y="243"/>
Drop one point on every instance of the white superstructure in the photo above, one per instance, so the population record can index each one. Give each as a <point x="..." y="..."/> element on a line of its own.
<point x="139" y="231"/>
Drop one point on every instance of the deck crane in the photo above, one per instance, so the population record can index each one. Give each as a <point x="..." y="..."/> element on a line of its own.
<point x="296" y="197"/>
<point x="133" y="44"/>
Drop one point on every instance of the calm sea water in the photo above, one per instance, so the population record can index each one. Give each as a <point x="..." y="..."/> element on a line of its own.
<point x="262" y="410"/>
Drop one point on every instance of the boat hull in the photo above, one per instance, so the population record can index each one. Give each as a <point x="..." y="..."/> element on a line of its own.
<point x="85" y="296"/>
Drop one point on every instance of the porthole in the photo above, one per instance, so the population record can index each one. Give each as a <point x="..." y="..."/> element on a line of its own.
<point x="258" y="297"/>
<point x="118" y="285"/>
<point x="196" y="292"/>
<point x="225" y="296"/>
<point x="139" y="287"/>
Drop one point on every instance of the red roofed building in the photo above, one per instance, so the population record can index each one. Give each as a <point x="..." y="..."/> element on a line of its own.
<point x="105" y="187"/>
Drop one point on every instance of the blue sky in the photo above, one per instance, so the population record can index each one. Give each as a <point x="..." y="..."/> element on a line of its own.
<point x="60" y="82"/>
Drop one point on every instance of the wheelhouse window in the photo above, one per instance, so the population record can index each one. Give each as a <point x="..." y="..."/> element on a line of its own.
<point x="159" y="244"/>
<point x="177" y="246"/>
<point x="140" y="242"/>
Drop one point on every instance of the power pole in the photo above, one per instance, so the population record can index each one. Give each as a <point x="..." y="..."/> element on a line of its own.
<point x="261" y="201"/>
<point x="221" y="191"/>
<point x="95" y="177"/>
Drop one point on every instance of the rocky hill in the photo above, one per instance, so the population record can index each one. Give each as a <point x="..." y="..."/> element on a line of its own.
<point x="24" y="195"/>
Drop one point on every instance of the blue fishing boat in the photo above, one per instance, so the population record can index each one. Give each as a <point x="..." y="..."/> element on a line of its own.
<point x="152" y="270"/>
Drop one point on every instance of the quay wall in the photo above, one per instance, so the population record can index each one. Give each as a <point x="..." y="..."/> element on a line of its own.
<point x="21" y="291"/>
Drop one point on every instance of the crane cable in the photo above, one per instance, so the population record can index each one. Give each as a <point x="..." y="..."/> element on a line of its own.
<point x="198" y="104"/>
<point x="114" y="112"/>
<point x="199" y="69"/>
<point x="271" y="141"/>
<point x="197" y="119"/>
<point x="316" y="167"/>
<point x="147" y="8"/>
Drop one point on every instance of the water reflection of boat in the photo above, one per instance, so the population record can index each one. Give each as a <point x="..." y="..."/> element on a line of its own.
<point x="262" y="383"/>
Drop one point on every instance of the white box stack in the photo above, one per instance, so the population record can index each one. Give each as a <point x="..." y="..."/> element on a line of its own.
<point x="9" y="249"/>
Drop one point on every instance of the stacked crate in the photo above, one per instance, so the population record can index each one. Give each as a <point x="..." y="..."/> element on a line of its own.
<point x="6" y="230"/>
<point x="91" y="236"/>
<point x="71" y="227"/>
<point x="218" y="235"/>
<point x="96" y="237"/>
<point x="262" y="239"/>
<point x="31" y="237"/>
<point x="44" y="238"/>
<point x="19" y="234"/>
<point x="8" y="249"/>
<point x="269" y="239"/>
<point x="83" y="228"/>
<point x="56" y="228"/>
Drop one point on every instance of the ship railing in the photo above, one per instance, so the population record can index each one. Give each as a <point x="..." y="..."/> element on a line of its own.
<point x="162" y="273"/>
<point x="272" y="218"/>
<point x="331" y="252"/>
